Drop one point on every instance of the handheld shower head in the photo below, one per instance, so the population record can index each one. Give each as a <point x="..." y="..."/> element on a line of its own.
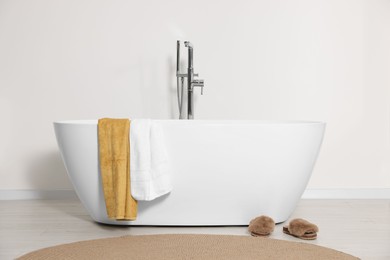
<point x="177" y="57"/>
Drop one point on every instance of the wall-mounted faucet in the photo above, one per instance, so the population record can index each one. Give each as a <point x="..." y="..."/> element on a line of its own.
<point x="191" y="81"/>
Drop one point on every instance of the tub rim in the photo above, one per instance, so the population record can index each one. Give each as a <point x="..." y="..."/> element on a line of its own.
<point x="204" y="121"/>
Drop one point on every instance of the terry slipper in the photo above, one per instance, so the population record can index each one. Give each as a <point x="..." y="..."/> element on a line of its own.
<point x="302" y="229"/>
<point x="261" y="226"/>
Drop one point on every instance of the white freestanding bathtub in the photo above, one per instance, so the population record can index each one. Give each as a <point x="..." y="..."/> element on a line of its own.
<point x="224" y="172"/>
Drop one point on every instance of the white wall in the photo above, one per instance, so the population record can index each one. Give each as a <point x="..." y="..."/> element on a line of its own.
<point x="261" y="59"/>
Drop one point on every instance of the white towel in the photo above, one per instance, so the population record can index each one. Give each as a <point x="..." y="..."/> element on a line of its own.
<point x="149" y="168"/>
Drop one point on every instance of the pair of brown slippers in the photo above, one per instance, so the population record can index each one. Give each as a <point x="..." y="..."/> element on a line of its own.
<point x="300" y="228"/>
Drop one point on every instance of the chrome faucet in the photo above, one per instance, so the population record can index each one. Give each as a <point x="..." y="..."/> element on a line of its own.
<point x="191" y="81"/>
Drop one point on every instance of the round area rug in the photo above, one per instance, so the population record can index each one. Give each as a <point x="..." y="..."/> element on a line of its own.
<point x="180" y="246"/>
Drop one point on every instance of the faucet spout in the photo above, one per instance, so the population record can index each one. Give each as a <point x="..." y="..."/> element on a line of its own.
<point x="190" y="54"/>
<point x="188" y="44"/>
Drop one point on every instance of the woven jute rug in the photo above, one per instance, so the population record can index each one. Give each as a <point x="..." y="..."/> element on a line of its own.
<point x="180" y="246"/>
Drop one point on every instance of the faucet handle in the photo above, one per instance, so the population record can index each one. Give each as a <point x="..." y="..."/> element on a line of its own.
<point x="198" y="83"/>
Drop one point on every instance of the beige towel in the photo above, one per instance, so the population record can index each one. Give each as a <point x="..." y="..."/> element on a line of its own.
<point x="114" y="152"/>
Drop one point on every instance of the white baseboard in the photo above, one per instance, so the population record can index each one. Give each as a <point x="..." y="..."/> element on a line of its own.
<point x="308" y="194"/>
<point x="346" y="194"/>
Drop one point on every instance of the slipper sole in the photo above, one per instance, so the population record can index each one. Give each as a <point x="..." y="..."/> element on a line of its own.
<point x="306" y="236"/>
<point x="253" y="234"/>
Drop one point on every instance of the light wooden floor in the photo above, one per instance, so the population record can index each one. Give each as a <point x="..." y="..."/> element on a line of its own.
<point x="357" y="227"/>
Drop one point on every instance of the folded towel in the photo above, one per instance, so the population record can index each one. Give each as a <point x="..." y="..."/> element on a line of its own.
<point x="114" y="153"/>
<point x="150" y="171"/>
